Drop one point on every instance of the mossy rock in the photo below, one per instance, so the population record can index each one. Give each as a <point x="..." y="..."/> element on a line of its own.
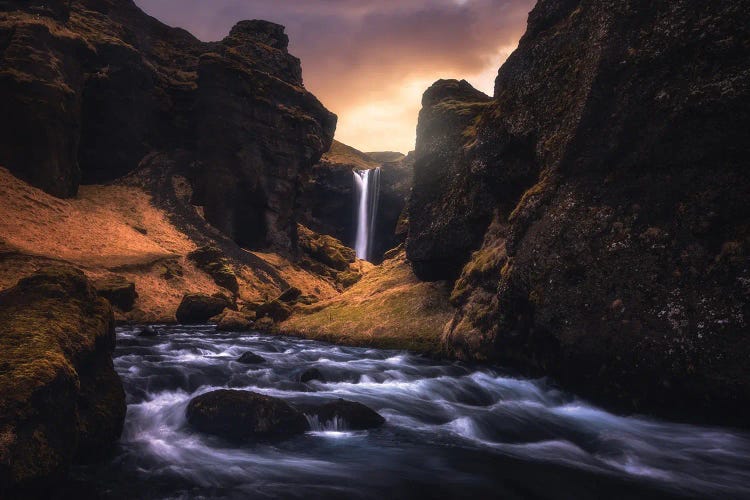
<point x="197" y="308"/>
<point x="61" y="399"/>
<point x="325" y="249"/>
<point x="212" y="261"/>
<point x="234" y="321"/>
<point x="118" y="290"/>
<point x="275" y="309"/>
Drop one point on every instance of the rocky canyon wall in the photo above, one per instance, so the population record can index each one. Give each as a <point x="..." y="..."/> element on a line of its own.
<point x="91" y="90"/>
<point x="603" y="191"/>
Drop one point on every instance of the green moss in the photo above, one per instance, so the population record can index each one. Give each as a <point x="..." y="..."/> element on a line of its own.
<point x="52" y="326"/>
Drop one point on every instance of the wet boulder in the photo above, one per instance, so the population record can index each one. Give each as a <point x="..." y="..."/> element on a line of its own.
<point x="234" y="321"/>
<point x="118" y="291"/>
<point x="312" y="374"/>
<point x="244" y="416"/>
<point x="351" y="415"/>
<point x="250" y="358"/>
<point x="198" y="308"/>
<point x="148" y="331"/>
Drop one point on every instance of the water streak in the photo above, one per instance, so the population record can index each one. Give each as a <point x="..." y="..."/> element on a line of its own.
<point x="367" y="184"/>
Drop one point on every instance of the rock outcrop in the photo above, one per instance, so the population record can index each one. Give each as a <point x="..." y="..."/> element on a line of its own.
<point x="118" y="291"/>
<point x="91" y="88"/>
<point x="198" y="308"/>
<point x="605" y="191"/>
<point x="61" y="399"/>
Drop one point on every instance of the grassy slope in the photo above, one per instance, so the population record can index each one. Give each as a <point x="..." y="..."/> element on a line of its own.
<point x="116" y="229"/>
<point x="388" y="308"/>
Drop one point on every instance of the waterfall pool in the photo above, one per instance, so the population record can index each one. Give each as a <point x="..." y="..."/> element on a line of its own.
<point x="452" y="430"/>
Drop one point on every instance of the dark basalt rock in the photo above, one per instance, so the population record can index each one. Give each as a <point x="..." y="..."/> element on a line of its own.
<point x="91" y="93"/>
<point x="118" y="291"/>
<point x="250" y="358"/>
<point x="312" y="374"/>
<point x="448" y="213"/>
<point x="61" y="400"/>
<point x="354" y="416"/>
<point x="290" y="295"/>
<point x="244" y="416"/>
<point x="148" y="331"/>
<point x="198" y="308"/>
<point x="605" y="188"/>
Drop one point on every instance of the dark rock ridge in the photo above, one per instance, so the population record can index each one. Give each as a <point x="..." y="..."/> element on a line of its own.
<point x="604" y="188"/>
<point x="328" y="204"/>
<point x="89" y="92"/>
<point x="61" y="400"/>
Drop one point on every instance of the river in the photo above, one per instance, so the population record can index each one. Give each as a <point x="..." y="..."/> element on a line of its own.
<point x="453" y="430"/>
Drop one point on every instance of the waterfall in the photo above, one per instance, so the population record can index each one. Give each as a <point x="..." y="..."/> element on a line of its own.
<point x="367" y="190"/>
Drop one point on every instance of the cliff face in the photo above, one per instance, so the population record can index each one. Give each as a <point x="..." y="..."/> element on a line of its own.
<point x="612" y="169"/>
<point x="61" y="399"/>
<point x="92" y="91"/>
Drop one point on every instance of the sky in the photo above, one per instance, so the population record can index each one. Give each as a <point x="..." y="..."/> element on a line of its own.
<point x="369" y="61"/>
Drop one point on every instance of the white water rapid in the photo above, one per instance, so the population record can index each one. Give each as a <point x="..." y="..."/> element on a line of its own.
<point x="367" y="185"/>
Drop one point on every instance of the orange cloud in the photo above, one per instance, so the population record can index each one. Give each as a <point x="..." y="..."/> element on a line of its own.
<point x="370" y="60"/>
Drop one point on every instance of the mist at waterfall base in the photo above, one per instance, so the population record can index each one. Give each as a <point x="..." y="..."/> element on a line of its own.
<point x="367" y="193"/>
<point x="452" y="430"/>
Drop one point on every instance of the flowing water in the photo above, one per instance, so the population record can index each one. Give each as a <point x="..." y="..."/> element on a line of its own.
<point x="367" y="190"/>
<point x="452" y="431"/>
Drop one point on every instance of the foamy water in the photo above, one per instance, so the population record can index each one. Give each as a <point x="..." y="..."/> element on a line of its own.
<point x="452" y="430"/>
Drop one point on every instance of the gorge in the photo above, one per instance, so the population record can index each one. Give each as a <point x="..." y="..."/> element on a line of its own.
<point x="203" y="294"/>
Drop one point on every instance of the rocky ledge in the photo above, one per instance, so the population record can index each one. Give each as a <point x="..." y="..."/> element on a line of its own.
<point x="61" y="401"/>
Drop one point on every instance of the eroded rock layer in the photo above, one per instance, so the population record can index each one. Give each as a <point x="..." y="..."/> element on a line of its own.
<point x="92" y="87"/>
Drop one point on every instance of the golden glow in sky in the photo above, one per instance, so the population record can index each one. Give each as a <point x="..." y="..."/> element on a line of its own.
<point x="370" y="61"/>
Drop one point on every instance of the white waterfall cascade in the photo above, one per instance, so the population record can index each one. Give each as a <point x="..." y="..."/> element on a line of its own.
<point x="367" y="191"/>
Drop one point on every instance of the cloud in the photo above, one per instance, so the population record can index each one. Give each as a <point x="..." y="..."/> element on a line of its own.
<point x="370" y="60"/>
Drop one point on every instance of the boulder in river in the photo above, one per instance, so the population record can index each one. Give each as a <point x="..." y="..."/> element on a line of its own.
<point x="148" y="331"/>
<point x="250" y="358"/>
<point x="199" y="308"/>
<point x="312" y="374"/>
<point x="60" y="399"/>
<point x="244" y="416"/>
<point x="348" y="414"/>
